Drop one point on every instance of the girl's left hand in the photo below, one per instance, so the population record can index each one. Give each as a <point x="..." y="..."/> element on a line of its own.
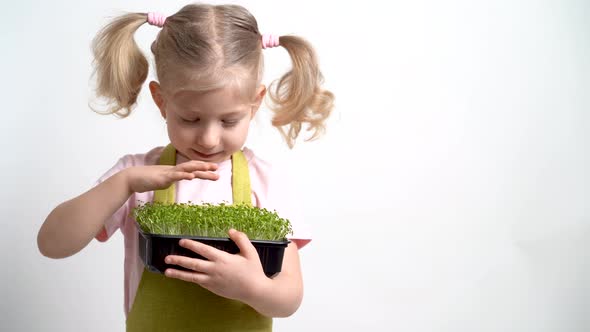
<point x="234" y="276"/>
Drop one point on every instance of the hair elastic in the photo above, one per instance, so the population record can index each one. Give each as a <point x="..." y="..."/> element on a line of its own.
<point x="156" y="19"/>
<point x="270" y="40"/>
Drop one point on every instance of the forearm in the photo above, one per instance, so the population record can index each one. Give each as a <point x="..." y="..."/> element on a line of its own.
<point x="74" y="223"/>
<point x="282" y="295"/>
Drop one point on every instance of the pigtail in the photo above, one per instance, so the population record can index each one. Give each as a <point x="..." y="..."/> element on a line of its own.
<point x="120" y="67"/>
<point x="297" y="97"/>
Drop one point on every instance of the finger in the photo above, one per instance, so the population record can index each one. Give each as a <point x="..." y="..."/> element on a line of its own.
<point x="195" y="277"/>
<point x="202" y="249"/>
<point x="195" y="165"/>
<point x="206" y="175"/>
<point x="241" y="239"/>
<point x="195" y="264"/>
<point x="179" y="175"/>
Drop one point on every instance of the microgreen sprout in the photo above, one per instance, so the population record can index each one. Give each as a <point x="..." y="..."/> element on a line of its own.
<point x="211" y="220"/>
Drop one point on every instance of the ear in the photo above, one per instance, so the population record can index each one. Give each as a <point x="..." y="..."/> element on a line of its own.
<point x="157" y="96"/>
<point x="258" y="98"/>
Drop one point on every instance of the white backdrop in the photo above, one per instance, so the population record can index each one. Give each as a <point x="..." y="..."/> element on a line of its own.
<point x="451" y="192"/>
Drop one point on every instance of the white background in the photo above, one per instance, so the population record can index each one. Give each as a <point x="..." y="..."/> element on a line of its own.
<point x="450" y="193"/>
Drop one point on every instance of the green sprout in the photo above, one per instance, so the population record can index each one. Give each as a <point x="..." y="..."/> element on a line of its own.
<point x="211" y="220"/>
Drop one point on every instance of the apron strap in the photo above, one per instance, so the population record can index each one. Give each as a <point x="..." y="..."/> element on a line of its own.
<point x="241" y="192"/>
<point x="240" y="181"/>
<point x="167" y="195"/>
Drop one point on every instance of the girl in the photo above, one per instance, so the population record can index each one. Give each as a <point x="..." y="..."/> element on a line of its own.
<point x="209" y="64"/>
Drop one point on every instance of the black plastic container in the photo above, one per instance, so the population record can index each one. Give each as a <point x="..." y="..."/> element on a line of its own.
<point x="153" y="249"/>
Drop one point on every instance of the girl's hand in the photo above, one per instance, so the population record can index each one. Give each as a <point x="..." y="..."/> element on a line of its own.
<point x="232" y="276"/>
<point x="147" y="178"/>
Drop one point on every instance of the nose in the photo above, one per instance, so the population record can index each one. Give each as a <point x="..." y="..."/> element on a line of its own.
<point x="208" y="138"/>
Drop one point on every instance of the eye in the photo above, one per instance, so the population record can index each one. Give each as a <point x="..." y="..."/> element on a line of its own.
<point x="229" y="123"/>
<point x="190" y="120"/>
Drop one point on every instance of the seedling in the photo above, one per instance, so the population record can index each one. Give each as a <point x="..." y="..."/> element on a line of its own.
<point x="211" y="220"/>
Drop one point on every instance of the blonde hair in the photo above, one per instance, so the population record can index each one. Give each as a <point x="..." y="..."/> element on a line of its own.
<point x="222" y="44"/>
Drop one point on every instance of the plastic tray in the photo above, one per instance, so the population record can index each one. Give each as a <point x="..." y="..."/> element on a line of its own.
<point x="153" y="249"/>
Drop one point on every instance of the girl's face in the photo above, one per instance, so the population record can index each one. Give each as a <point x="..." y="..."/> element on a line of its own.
<point x="208" y="126"/>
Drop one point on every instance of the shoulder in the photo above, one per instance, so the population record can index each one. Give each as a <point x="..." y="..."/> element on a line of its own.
<point x="276" y="165"/>
<point x="256" y="162"/>
<point x="130" y="160"/>
<point x="264" y="169"/>
<point x="267" y="175"/>
<point x="141" y="159"/>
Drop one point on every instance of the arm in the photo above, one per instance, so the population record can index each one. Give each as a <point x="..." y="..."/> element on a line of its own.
<point x="73" y="224"/>
<point x="282" y="295"/>
<point x="241" y="277"/>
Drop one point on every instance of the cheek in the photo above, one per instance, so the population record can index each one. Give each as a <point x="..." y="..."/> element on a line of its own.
<point x="178" y="133"/>
<point x="238" y="135"/>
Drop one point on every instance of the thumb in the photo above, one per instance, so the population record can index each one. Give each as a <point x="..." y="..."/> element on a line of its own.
<point x="241" y="239"/>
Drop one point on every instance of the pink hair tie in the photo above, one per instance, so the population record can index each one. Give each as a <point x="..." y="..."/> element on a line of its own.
<point x="156" y="19"/>
<point x="269" y="40"/>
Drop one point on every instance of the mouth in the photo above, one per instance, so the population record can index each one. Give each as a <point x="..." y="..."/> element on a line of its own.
<point x="206" y="155"/>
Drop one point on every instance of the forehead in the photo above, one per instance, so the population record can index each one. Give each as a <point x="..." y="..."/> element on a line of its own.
<point x="223" y="98"/>
<point x="233" y="82"/>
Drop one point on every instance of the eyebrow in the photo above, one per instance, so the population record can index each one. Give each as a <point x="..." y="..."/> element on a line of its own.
<point x="234" y="113"/>
<point x="223" y="115"/>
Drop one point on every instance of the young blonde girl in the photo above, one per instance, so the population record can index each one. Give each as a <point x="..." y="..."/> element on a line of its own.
<point x="209" y="64"/>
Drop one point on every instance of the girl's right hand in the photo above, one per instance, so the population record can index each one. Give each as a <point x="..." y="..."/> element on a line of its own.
<point x="147" y="178"/>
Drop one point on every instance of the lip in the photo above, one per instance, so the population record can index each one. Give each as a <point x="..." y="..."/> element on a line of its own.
<point x="205" y="155"/>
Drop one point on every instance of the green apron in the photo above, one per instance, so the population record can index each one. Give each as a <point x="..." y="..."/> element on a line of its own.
<point x="171" y="305"/>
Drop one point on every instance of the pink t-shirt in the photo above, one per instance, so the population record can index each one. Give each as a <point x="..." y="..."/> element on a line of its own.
<point x="270" y="190"/>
